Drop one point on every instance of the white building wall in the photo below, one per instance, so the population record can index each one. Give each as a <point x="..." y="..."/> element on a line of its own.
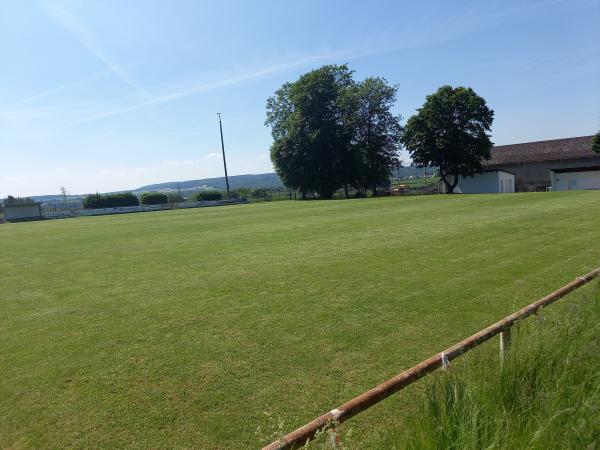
<point x="575" y="181"/>
<point x="507" y="181"/>
<point x="20" y="212"/>
<point x="491" y="182"/>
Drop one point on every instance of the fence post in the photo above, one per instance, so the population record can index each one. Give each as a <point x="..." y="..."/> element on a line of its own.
<point x="504" y="342"/>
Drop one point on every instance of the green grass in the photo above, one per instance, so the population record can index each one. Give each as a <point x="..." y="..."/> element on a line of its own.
<point x="545" y="394"/>
<point x="181" y="328"/>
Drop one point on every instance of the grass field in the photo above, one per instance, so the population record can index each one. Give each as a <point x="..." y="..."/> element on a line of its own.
<point x="181" y="328"/>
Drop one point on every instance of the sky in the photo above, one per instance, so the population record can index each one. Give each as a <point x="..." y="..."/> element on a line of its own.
<point x="112" y="95"/>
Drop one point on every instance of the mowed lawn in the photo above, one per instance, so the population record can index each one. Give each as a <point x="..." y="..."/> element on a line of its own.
<point x="182" y="328"/>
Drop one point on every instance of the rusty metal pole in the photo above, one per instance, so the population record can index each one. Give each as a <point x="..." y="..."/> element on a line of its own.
<point x="358" y="404"/>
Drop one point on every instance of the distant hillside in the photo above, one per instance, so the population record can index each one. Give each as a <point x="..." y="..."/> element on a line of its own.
<point x="235" y="181"/>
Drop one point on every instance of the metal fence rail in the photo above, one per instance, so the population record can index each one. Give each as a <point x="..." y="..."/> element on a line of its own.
<point x="351" y="408"/>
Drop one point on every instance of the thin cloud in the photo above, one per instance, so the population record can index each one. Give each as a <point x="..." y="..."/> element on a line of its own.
<point x="212" y="155"/>
<point x="63" y="87"/>
<point x="73" y="25"/>
<point x="185" y="162"/>
<point x="205" y="87"/>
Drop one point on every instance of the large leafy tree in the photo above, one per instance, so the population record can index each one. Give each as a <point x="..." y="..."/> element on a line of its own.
<point x="310" y="145"/>
<point x="374" y="131"/>
<point x="596" y="143"/>
<point x="450" y="131"/>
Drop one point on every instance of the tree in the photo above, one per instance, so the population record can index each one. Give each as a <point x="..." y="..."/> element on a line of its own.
<point x="450" y="131"/>
<point x="310" y="142"/>
<point x="374" y="131"/>
<point x="596" y="143"/>
<point x="64" y="193"/>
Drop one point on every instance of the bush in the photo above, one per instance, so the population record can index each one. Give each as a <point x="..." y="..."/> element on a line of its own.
<point x="261" y="193"/>
<point x="208" y="195"/>
<point x="175" y="197"/>
<point x="242" y="192"/>
<point x="154" y="198"/>
<point x="94" y="201"/>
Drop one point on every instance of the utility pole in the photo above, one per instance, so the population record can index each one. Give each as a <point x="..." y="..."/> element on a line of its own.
<point x="223" y="150"/>
<point x="398" y="169"/>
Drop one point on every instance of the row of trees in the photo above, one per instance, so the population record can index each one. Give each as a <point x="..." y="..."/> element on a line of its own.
<point x="331" y="132"/>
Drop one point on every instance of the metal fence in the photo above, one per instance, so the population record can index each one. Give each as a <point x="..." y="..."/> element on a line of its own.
<point x="364" y="401"/>
<point x="57" y="213"/>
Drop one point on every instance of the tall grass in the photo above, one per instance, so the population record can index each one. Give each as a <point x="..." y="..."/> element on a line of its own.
<point x="546" y="393"/>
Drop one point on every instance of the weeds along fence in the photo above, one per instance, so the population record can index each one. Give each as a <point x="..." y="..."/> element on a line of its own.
<point x="364" y="401"/>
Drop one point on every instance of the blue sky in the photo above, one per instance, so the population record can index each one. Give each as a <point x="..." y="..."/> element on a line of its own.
<point x="110" y="95"/>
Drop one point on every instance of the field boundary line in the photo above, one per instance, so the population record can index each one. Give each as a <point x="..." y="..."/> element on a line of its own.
<point x="300" y="436"/>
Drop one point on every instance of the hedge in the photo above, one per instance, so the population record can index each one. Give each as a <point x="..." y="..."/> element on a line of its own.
<point x="154" y="198"/>
<point x="208" y="195"/>
<point x="94" y="201"/>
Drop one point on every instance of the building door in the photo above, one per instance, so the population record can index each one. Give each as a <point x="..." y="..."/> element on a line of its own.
<point x="572" y="183"/>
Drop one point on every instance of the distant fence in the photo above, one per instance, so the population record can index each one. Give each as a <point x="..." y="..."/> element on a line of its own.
<point x="364" y="401"/>
<point x="64" y="213"/>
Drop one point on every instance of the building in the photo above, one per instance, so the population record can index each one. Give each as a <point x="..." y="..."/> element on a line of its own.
<point x="487" y="182"/>
<point x="532" y="163"/>
<point x="575" y="179"/>
<point x="19" y="212"/>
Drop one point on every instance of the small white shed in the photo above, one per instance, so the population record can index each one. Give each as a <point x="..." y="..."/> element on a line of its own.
<point x="487" y="182"/>
<point x="575" y="179"/>
<point x="22" y="211"/>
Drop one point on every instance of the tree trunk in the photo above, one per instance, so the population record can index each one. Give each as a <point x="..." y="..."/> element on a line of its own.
<point x="346" y="193"/>
<point x="450" y="187"/>
<point x="374" y="189"/>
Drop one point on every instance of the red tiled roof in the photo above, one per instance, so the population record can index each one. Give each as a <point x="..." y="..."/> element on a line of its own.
<point x="569" y="148"/>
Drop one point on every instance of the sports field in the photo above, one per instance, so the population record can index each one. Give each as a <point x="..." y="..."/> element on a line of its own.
<point x="182" y="328"/>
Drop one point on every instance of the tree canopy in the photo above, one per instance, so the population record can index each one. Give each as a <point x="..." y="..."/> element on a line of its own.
<point x="450" y="131"/>
<point x="374" y="131"/>
<point x="331" y="132"/>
